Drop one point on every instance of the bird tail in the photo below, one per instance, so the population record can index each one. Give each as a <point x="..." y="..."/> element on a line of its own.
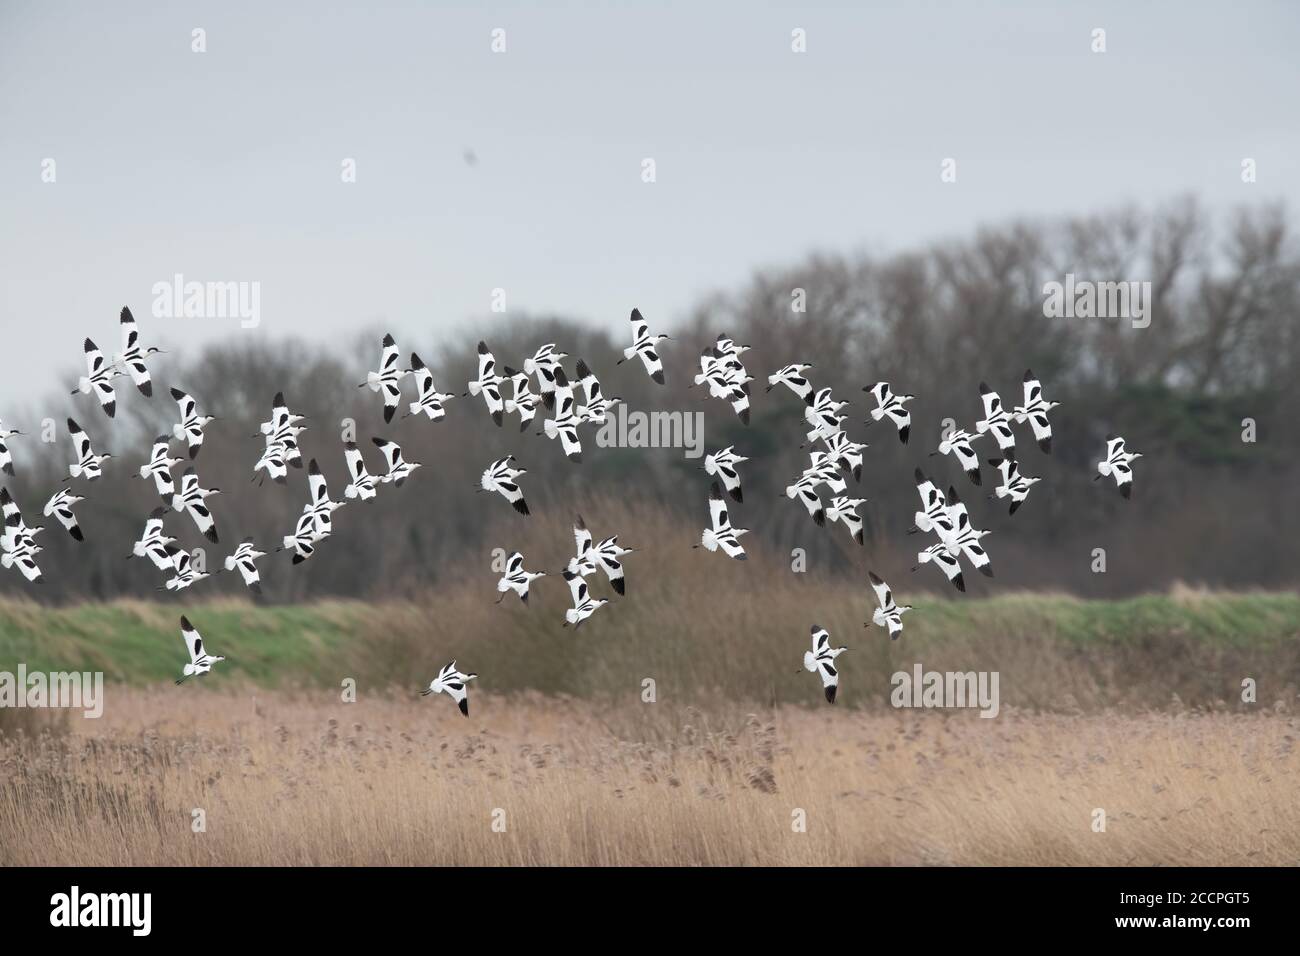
<point x="74" y="470"/>
<point x="628" y="353"/>
<point x="549" y="427"/>
<point x="372" y="379"/>
<point x="288" y="542"/>
<point x="877" y="414"/>
<point x="1104" y="468"/>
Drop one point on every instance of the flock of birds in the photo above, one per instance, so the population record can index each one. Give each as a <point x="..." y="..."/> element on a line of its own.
<point x="571" y="401"/>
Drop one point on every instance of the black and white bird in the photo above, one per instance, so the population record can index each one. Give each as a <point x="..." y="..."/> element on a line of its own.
<point x="99" y="379"/>
<point x="517" y="578"/>
<point x="720" y="533"/>
<point x="304" y="539"/>
<point x="543" y="364"/>
<point x="193" y="498"/>
<point x="159" y="468"/>
<point x="6" y="459"/>
<point x="565" y="423"/>
<point x="822" y="412"/>
<point x="933" y="515"/>
<point x="19" y="550"/>
<point x="889" y="404"/>
<point x="845" y="510"/>
<point x="522" y="401"/>
<point x="131" y="359"/>
<point x="584" y="605"/>
<point x="16" y="530"/>
<point x="950" y="566"/>
<point x="1035" y="412"/>
<point x="722" y="465"/>
<point x="274" y="462"/>
<point x="583" y="561"/>
<point x="399" y="469"/>
<point x="595" y="406"/>
<point x="502" y="477"/>
<point x="727" y="379"/>
<point x="846" y="454"/>
<point x="190" y="428"/>
<point x="1014" y="485"/>
<point x="821" y="660"/>
<point x="995" y="419"/>
<point x="429" y="401"/>
<point x="362" y="483"/>
<point x="321" y="507"/>
<point x="452" y="683"/>
<point x="607" y="553"/>
<point x="887" y="614"/>
<point x="793" y="378"/>
<point x="60" y="506"/>
<point x="88" y="465"/>
<point x="185" y="573"/>
<point x="153" y="543"/>
<point x="200" y="661"/>
<point x="958" y="444"/>
<point x="488" y="383"/>
<point x="244" y="560"/>
<point x="281" y="418"/>
<point x="824" y="470"/>
<point x="804" y="490"/>
<point x="964" y="538"/>
<point x="1118" y="465"/>
<point x="645" y="345"/>
<point x="388" y="379"/>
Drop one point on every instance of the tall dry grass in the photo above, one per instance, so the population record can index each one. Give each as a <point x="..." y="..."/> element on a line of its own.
<point x="307" y="779"/>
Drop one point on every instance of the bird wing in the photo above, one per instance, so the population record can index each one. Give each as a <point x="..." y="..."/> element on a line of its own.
<point x="193" y="640"/>
<point x="318" y="488"/>
<point x="883" y="594"/>
<point x="718" y="516"/>
<point x="992" y="402"/>
<point x="821" y="640"/>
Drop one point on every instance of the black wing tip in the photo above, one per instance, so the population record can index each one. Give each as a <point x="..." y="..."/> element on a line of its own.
<point x="819" y="517"/>
<point x="987" y="570"/>
<point x="521" y="506"/>
<point x="73" y="426"/>
<point x="715" y="492"/>
<point x="1046" y="445"/>
<point x="89" y="346"/>
<point x="388" y="340"/>
<point x="919" y="475"/>
<point x="974" y="476"/>
<point x="620" y="586"/>
<point x="581" y="369"/>
<point x="984" y="388"/>
<point x="737" y="495"/>
<point x="416" y="361"/>
<point x="379" y="442"/>
<point x="875" y="578"/>
<point x="1029" y="375"/>
<point x="125" y="315"/>
<point x="146" y="389"/>
<point x="388" y="413"/>
<point x="313" y="468"/>
<point x="279" y="398"/>
<point x="635" y="316"/>
<point x="497" y="418"/>
<point x="830" y="693"/>
<point x="903" y="433"/>
<point x="177" y="393"/>
<point x="658" y="377"/>
<point x="76" y="534"/>
<point x="211" y="535"/>
<point x="1126" y="490"/>
<point x="185" y="623"/>
<point x="464" y="706"/>
<point x="959" y="583"/>
<point x="482" y="348"/>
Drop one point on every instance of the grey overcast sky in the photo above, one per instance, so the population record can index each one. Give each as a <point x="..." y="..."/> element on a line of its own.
<point x="225" y="165"/>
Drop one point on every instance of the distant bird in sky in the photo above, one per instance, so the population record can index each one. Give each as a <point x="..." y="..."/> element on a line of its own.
<point x="88" y="464"/>
<point x="200" y="661"/>
<point x="887" y="614"/>
<point x="131" y="359"/>
<point x="190" y="428"/>
<point x="565" y="423"/>
<point x="950" y="566"/>
<point x="933" y="515"/>
<point x="503" y="478"/>
<point x="584" y="605"/>
<point x="303" y="540"/>
<point x="60" y="506"/>
<point x="281" y="418"/>
<point x="517" y="578"/>
<point x="821" y="660"/>
<point x="451" y="682"/>
<point x="99" y="379"/>
<point x="720" y="533"/>
<point x="192" y="499"/>
<point x="845" y="510"/>
<point x="722" y="465"/>
<point x="399" y="469"/>
<point x="964" y="537"/>
<point x="19" y="550"/>
<point x="544" y="364"/>
<point x="583" y="561"/>
<point x="522" y="401"/>
<point x="995" y="419"/>
<point x="244" y="560"/>
<point x="488" y="383"/>
<point x="429" y="401"/>
<point x="388" y="379"/>
<point x="645" y="345"/>
<point x="1035" y="412"/>
<point x="186" y="574"/>
<point x="1014" y="484"/>
<point x="321" y="507"/>
<point x="793" y="378"/>
<point x="362" y="483"/>
<point x="6" y="459"/>
<point x="1118" y="465"/>
<point x="159" y="468"/>
<point x="804" y="490"/>
<point x="153" y="543"/>
<point x="891" y="405"/>
<point x="958" y="444"/>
